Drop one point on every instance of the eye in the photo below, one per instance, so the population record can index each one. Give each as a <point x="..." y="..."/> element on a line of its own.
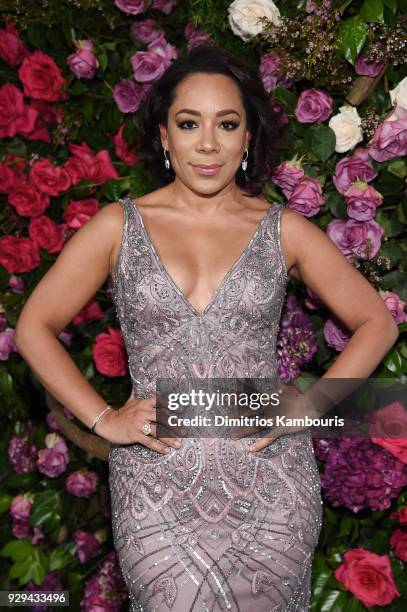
<point x="231" y="125"/>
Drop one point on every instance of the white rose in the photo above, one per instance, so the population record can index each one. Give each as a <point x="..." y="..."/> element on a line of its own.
<point x="346" y="126"/>
<point x="398" y="95"/>
<point x="244" y="16"/>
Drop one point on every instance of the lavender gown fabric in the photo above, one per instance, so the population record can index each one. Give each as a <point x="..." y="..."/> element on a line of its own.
<point x="210" y="526"/>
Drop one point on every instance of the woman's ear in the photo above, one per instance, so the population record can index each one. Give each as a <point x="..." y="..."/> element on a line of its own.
<point x="163" y="136"/>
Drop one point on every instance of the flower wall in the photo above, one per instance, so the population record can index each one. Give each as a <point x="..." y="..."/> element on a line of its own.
<point x="73" y="76"/>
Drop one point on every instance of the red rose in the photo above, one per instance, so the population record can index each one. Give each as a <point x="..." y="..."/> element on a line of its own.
<point x="124" y="151"/>
<point x="79" y="212"/>
<point x="84" y="165"/>
<point x="12" y="50"/>
<point x="27" y="201"/>
<point x="41" y="77"/>
<point x="39" y="132"/>
<point x="6" y="178"/>
<point x="90" y="312"/>
<point x="368" y="576"/>
<point x="109" y="353"/>
<point x="398" y="542"/>
<point x="18" y="254"/>
<point x="15" y="116"/>
<point x="49" y="178"/>
<point x="47" y="234"/>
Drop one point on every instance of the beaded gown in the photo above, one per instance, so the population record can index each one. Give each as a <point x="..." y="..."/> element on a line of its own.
<point x="210" y="526"/>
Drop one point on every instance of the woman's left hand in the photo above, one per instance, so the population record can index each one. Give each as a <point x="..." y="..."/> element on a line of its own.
<point x="292" y="405"/>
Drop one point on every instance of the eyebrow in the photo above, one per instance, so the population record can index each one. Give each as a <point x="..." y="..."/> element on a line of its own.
<point x="227" y="111"/>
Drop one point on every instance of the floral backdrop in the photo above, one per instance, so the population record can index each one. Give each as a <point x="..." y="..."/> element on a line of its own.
<point x="73" y="74"/>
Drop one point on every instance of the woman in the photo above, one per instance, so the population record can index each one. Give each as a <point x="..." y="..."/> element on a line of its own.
<point x="200" y="268"/>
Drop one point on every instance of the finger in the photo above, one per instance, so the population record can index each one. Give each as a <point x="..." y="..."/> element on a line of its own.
<point x="173" y="442"/>
<point x="261" y="444"/>
<point x="154" y="444"/>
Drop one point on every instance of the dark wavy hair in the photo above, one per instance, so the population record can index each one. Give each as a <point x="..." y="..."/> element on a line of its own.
<point x="263" y="122"/>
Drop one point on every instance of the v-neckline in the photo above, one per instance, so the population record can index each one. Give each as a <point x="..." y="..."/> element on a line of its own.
<point x="170" y="279"/>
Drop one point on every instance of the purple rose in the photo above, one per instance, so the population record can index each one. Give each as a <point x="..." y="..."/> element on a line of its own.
<point x="132" y="7"/>
<point x="7" y="343"/>
<point x="390" y="138"/>
<point x="21" y="529"/>
<point x="128" y="95"/>
<point x="307" y="197"/>
<point x="164" y="6"/>
<point x="148" y="66"/>
<point x="313" y="106"/>
<point x="145" y="31"/>
<point x="195" y="37"/>
<point x="16" y="284"/>
<point x="365" y="67"/>
<point x="350" y="169"/>
<point x="272" y="72"/>
<point x="362" y="200"/>
<point x="164" y="49"/>
<point x="21" y="455"/>
<point x="82" y="64"/>
<point x="356" y="239"/>
<point x="20" y="507"/>
<point x="87" y="546"/>
<point x="287" y="175"/>
<point x="81" y="484"/>
<point x="336" y="335"/>
<point x="395" y="305"/>
<point x="53" y="460"/>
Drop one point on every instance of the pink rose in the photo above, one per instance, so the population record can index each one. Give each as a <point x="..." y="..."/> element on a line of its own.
<point x="20" y="507"/>
<point x="128" y="95"/>
<point x="7" y="345"/>
<point x="395" y="305"/>
<point x="398" y="542"/>
<point x="362" y="200"/>
<point x="132" y="7"/>
<point x="53" y="460"/>
<point x="87" y="546"/>
<point x="272" y="72"/>
<point x="368" y="576"/>
<point x="109" y="353"/>
<point x="336" y="334"/>
<point x="366" y="67"/>
<point x="145" y="31"/>
<point x="195" y="37"/>
<point x="165" y="6"/>
<point x="350" y="169"/>
<point x="356" y="239"/>
<point x="287" y="176"/>
<point x="90" y="312"/>
<point x="307" y="197"/>
<point x="82" y="64"/>
<point x="390" y="139"/>
<point x="82" y="483"/>
<point x="313" y="106"/>
<point x="147" y="66"/>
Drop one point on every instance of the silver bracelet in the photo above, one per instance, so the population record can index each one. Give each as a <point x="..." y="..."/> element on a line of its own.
<point x="99" y="416"/>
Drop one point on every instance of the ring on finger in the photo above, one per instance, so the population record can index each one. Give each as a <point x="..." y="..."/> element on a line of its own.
<point x="146" y="429"/>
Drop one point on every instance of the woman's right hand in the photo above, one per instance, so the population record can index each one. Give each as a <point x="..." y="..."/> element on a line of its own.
<point x="124" y="426"/>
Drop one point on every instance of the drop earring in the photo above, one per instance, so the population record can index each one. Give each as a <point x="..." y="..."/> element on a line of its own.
<point x="167" y="162"/>
<point x="244" y="161"/>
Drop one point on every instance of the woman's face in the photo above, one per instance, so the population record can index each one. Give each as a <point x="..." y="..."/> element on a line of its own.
<point x="206" y="127"/>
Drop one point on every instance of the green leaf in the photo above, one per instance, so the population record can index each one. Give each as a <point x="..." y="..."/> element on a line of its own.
<point x="352" y="35"/>
<point x="320" y="140"/>
<point x="286" y="98"/>
<point x="334" y="601"/>
<point x="5" y="501"/>
<point x="372" y="11"/>
<point x="45" y="510"/>
<point x="391" y="4"/>
<point x="393" y="361"/>
<point x="17" y="549"/>
<point x="398" y="168"/>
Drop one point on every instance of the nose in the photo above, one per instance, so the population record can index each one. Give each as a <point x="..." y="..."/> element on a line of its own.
<point x="207" y="141"/>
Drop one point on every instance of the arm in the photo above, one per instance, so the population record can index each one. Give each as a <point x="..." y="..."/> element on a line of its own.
<point x="314" y="259"/>
<point x="79" y="271"/>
